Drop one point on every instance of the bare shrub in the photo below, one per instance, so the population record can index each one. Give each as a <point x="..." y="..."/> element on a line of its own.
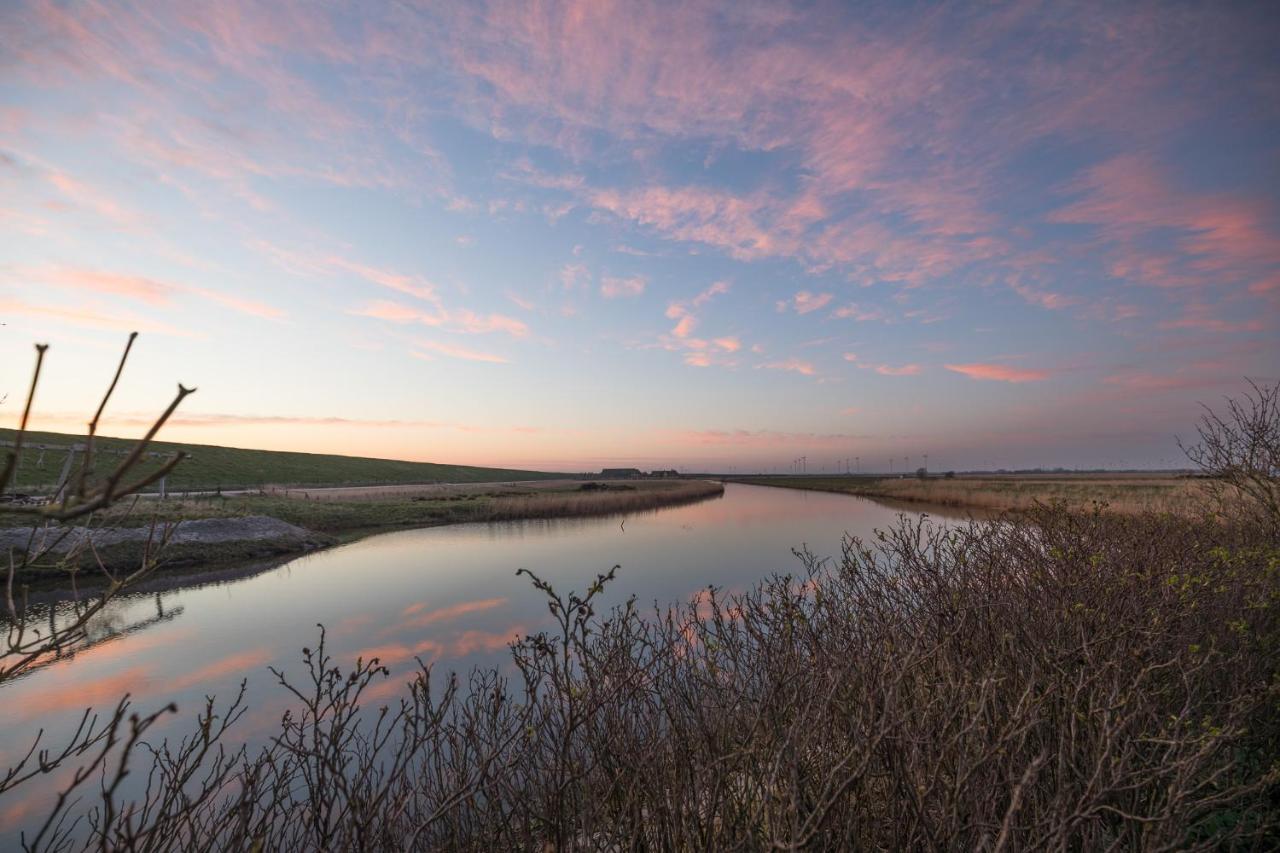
<point x="1239" y="450"/>
<point x="85" y="493"/>
<point x="1057" y="681"/>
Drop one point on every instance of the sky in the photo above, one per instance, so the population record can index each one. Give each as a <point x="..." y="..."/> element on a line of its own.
<point x="706" y="236"/>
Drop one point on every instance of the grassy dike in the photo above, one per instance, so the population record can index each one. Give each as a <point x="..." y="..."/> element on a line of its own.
<point x="211" y="467"/>
<point x="327" y="520"/>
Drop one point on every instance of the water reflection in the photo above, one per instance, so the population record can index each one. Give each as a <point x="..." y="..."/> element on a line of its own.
<point x="448" y="596"/>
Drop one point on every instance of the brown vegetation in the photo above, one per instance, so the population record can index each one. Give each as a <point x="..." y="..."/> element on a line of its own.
<point x="639" y="498"/>
<point x="1056" y="681"/>
<point x="1239" y="450"/>
<point x="1180" y="495"/>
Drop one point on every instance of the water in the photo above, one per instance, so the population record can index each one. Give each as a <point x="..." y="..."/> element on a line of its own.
<point x="448" y="595"/>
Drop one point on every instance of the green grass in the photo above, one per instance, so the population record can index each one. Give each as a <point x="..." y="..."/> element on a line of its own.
<point x="212" y="467"/>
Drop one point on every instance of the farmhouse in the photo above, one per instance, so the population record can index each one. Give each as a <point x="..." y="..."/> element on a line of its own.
<point x="621" y="473"/>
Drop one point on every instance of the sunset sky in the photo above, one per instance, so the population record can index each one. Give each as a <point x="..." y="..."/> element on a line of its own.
<point x="567" y="236"/>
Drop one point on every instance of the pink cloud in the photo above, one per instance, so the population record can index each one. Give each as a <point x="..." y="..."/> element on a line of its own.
<point x="142" y="288"/>
<point x="696" y="214"/>
<point x="1218" y="239"/>
<point x="854" y="312"/>
<point x="466" y="320"/>
<point x="92" y="318"/>
<point x="237" y="664"/>
<point x="461" y="320"/>
<point x="394" y="312"/>
<point x="1201" y="317"/>
<point x="1266" y="285"/>
<point x="130" y="286"/>
<point x="998" y="372"/>
<point x="519" y="300"/>
<point x="417" y="616"/>
<point x="438" y="315"/>
<point x="454" y="351"/>
<point x="615" y="288"/>
<point x="684" y="328"/>
<point x="409" y="284"/>
<point x="472" y="641"/>
<point x="717" y="288"/>
<point x="794" y="365"/>
<point x="805" y="302"/>
<point x="842" y="97"/>
<point x="759" y="438"/>
<point x="1043" y="298"/>
<point x="903" y="370"/>
<point x="682" y="312"/>
<point x="575" y="276"/>
<point x="235" y="303"/>
<point x="729" y="344"/>
<point x="1155" y="382"/>
<point x="85" y="196"/>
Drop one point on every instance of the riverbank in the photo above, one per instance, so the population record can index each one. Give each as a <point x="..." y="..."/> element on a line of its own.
<point x="1129" y="494"/>
<point x="217" y="532"/>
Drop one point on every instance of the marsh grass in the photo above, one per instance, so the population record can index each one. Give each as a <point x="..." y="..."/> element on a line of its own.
<point x="1180" y="495"/>
<point x="644" y="497"/>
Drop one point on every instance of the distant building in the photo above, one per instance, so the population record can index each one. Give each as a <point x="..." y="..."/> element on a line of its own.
<point x="621" y="473"/>
<point x="670" y="472"/>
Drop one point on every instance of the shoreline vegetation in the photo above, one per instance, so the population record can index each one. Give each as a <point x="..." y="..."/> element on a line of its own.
<point x="1128" y="494"/>
<point x="1062" y="681"/>
<point x="323" y="517"/>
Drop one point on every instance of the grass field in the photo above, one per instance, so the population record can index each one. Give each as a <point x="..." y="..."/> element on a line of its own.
<point x="212" y="467"/>
<point x="1126" y="493"/>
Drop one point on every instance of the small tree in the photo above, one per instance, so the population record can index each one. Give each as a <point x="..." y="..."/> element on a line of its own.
<point x="1240" y="452"/>
<point x="922" y="474"/>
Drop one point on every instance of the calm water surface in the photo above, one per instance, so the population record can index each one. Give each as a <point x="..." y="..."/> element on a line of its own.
<point x="445" y="594"/>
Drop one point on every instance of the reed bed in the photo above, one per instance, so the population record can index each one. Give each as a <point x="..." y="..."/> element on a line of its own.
<point x="580" y="503"/>
<point x="1183" y="496"/>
